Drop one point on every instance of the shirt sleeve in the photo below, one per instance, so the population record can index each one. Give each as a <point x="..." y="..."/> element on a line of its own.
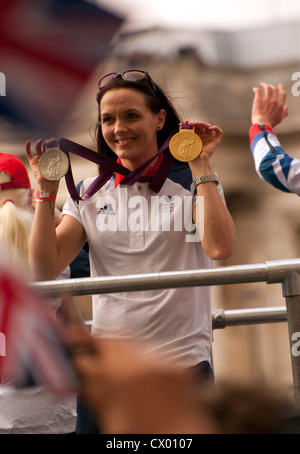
<point x="72" y="209"/>
<point x="71" y="206"/>
<point x="271" y="162"/>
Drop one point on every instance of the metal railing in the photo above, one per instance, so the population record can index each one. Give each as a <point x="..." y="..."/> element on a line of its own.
<point x="284" y="272"/>
<point x="254" y="316"/>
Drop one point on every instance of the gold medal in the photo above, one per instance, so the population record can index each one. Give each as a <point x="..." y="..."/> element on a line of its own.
<point x="186" y="145"/>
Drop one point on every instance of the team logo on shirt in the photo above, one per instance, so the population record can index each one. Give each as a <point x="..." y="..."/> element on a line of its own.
<point x="107" y="209"/>
<point x="168" y="204"/>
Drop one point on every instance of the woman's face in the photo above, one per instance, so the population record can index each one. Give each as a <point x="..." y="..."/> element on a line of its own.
<point x="128" y="125"/>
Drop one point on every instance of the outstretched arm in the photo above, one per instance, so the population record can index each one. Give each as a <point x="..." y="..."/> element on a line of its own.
<point x="219" y="231"/>
<point x="50" y="249"/>
<point x="272" y="163"/>
<point x="269" y="108"/>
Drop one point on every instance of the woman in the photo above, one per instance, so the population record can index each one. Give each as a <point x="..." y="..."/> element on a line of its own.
<point x="134" y="228"/>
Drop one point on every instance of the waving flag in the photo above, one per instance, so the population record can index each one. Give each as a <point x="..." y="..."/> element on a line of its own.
<point x="48" y="49"/>
<point x="31" y="347"/>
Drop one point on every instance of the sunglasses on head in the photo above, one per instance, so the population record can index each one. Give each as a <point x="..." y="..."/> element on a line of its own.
<point x="132" y="75"/>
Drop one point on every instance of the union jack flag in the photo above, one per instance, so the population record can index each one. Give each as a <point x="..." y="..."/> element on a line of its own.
<point x="48" y="49"/>
<point x="33" y="351"/>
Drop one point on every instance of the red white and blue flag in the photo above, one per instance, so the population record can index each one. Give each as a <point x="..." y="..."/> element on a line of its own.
<point x="32" y="351"/>
<point x="48" y="49"/>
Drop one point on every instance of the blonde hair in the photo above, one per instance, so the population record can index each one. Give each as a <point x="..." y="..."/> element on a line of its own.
<point x="16" y="217"/>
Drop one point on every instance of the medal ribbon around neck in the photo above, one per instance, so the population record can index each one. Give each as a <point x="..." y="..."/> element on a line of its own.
<point x="111" y="166"/>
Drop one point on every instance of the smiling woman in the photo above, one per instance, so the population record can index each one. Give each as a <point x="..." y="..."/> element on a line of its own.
<point x="147" y="108"/>
<point x="129" y="127"/>
<point x="135" y="123"/>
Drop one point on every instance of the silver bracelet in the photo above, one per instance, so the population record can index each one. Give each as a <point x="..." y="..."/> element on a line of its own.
<point x="206" y="179"/>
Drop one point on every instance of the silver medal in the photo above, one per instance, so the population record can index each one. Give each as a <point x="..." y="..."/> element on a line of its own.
<point x="53" y="164"/>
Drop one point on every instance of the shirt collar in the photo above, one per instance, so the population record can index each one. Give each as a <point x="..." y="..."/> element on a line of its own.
<point x="150" y="172"/>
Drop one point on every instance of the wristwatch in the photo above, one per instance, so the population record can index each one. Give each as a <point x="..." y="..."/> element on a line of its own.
<point x="206" y="179"/>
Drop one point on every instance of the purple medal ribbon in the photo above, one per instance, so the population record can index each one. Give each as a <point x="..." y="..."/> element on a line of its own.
<point x="111" y="166"/>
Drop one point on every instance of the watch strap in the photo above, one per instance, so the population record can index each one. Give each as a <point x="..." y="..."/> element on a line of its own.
<point x="213" y="177"/>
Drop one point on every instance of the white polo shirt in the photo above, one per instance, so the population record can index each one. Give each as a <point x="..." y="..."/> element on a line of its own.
<point x="130" y="230"/>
